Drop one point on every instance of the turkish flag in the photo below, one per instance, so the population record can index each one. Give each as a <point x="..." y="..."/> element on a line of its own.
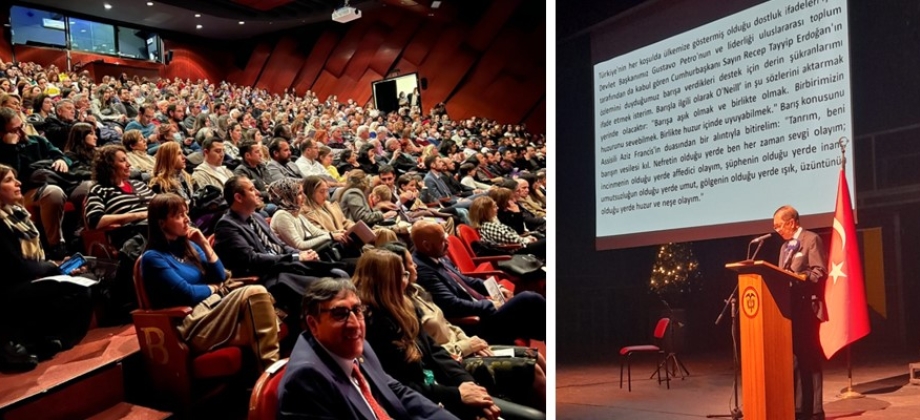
<point x="844" y="291"/>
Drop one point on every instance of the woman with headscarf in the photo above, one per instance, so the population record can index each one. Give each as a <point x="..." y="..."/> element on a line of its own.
<point x="290" y="223"/>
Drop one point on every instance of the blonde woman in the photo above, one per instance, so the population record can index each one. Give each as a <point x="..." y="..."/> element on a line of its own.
<point x="169" y="174"/>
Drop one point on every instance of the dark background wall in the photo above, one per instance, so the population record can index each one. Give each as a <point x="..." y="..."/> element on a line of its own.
<point x="603" y="300"/>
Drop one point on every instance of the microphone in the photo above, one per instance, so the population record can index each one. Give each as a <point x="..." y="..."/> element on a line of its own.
<point x="761" y="238"/>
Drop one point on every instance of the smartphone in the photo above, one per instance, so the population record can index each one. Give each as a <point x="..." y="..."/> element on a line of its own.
<point x="75" y="262"/>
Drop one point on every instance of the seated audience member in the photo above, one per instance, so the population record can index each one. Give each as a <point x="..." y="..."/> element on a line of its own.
<point x="349" y="162"/>
<point x="246" y="243"/>
<point x="212" y="171"/>
<point x="181" y="269"/>
<point x="334" y="373"/>
<point x="484" y="217"/>
<point x="234" y="135"/>
<point x="136" y="145"/>
<point x="280" y="166"/>
<point x="309" y="162"/>
<point x="325" y="158"/>
<point x="20" y="151"/>
<point x="169" y="175"/>
<point x="40" y="318"/>
<point x="413" y="208"/>
<point x="80" y="148"/>
<point x="521" y="316"/>
<point x="42" y="108"/>
<point x="532" y="200"/>
<point x="367" y="159"/>
<point x="115" y="200"/>
<point x="468" y="172"/>
<point x="14" y="103"/>
<point x="289" y="222"/>
<point x="513" y="215"/>
<point x="252" y="167"/>
<point x="144" y="123"/>
<point x="354" y="202"/>
<point x="521" y="378"/>
<point x="408" y="353"/>
<point x="324" y="213"/>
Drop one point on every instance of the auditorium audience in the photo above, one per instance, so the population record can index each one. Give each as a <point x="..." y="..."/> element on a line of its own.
<point x="23" y="152"/>
<point x="212" y="171"/>
<point x="136" y="145"/>
<point x="334" y="373"/>
<point x="40" y="318"/>
<point x="289" y="222"/>
<point x="354" y="201"/>
<point x="484" y="217"/>
<point x="522" y="315"/>
<point x="115" y="201"/>
<point x="521" y="378"/>
<point x="408" y="353"/>
<point x="181" y="269"/>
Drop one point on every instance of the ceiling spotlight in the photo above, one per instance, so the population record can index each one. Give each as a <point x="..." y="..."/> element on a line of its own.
<point x="150" y="3"/>
<point x="242" y="23"/>
<point x="197" y="26"/>
<point x="107" y="6"/>
<point x="436" y="4"/>
<point x="197" y="15"/>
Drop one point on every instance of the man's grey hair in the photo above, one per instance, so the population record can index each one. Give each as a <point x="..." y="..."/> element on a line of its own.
<point x="324" y="290"/>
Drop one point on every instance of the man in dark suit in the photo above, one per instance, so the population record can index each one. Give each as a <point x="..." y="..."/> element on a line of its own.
<point x="804" y="253"/>
<point x="334" y="373"/>
<point x="521" y="316"/>
<point x="248" y="247"/>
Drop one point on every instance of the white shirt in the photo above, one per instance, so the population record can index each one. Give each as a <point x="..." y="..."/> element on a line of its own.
<point x="310" y="167"/>
<point x="348" y="366"/>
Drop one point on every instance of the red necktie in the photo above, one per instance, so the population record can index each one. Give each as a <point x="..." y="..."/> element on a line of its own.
<point x="366" y="392"/>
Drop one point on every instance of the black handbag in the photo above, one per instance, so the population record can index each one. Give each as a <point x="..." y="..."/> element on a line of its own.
<point x="523" y="266"/>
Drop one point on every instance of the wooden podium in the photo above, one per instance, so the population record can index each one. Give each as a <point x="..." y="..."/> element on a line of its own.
<point x="766" y="340"/>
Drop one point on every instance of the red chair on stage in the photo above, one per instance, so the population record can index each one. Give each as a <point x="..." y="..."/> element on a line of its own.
<point x="263" y="404"/>
<point x="626" y="353"/>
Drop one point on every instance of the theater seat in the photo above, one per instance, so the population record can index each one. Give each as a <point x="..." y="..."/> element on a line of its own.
<point x="179" y="377"/>
<point x="263" y="403"/>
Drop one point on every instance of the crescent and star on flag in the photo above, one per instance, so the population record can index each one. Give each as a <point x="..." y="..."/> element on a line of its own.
<point x="837" y="269"/>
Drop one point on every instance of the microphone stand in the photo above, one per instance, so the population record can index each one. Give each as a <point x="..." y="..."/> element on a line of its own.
<point x="732" y="301"/>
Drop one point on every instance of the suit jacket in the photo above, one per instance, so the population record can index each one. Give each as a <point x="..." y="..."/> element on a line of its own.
<point x="808" y="257"/>
<point x="314" y="386"/>
<point x="241" y="250"/>
<point x="452" y="298"/>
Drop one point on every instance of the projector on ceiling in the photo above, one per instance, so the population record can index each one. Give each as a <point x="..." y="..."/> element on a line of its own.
<point x="346" y="14"/>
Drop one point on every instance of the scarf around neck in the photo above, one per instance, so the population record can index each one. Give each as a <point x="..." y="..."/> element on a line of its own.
<point x="18" y="220"/>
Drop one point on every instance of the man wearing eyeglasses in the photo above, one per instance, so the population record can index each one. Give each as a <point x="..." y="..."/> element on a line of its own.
<point x="804" y="253"/>
<point x="334" y="373"/>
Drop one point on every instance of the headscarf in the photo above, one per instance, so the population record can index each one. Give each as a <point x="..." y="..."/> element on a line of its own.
<point x="283" y="193"/>
<point x="19" y="221"/>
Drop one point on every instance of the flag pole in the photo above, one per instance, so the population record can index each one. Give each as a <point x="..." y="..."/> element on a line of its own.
<point x="849" y="393"/>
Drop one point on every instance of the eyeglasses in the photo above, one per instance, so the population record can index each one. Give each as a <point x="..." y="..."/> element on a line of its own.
<point x="341" y="313"/>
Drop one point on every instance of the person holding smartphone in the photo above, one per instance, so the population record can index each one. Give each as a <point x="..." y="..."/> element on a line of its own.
<point x="40" y="318"/>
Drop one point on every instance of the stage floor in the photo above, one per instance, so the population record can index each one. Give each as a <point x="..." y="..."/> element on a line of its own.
<point x="592" y="391"/>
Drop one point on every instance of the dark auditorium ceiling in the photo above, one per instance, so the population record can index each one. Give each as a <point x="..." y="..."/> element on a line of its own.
<point x="220" y="18"/>
<point x="575" y="16"/>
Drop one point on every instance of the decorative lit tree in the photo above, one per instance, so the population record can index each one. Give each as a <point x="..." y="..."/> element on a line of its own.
<point x="675" y="275"/>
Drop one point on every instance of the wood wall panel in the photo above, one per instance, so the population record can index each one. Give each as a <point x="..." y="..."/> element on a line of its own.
<point x="249" y="75"/>
<point x="400" y="34"/>
<point x="282" y="66"/>
<point x="422" y="43"/>
<point x="363" y="92"/>
<point x="536" y="118"/>
<point x="313" y="65"/>
<point x="345" y="50"/>
<point x="6" y="49"/>
<point x="194" y="62"/>
<point x="364" y="53"/>
<point x="491" y="24"/>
